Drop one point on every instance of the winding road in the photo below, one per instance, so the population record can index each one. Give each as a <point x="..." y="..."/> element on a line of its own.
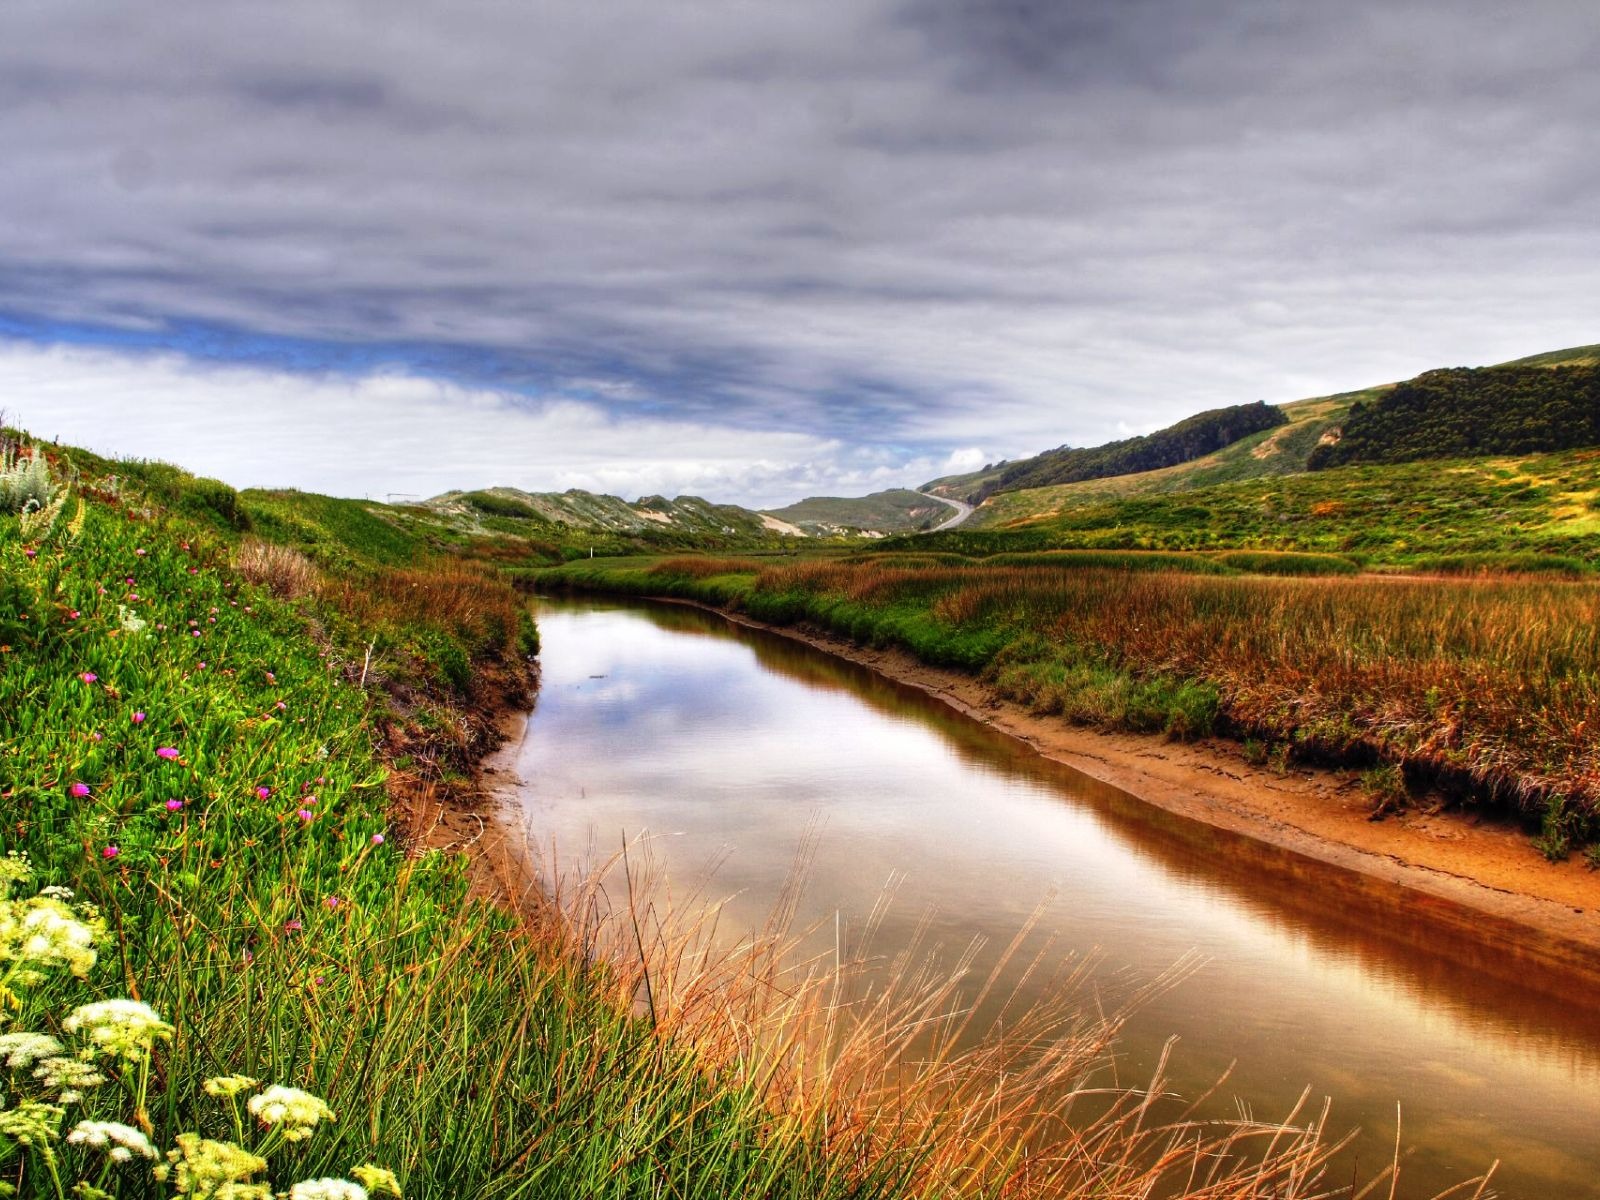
<point x="963" y="511"/>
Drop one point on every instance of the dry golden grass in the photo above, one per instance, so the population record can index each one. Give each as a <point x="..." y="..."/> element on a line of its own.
<point x="282" y="570"/>
<point x="1492" y="684"/>
<point x="979" y="1093"/>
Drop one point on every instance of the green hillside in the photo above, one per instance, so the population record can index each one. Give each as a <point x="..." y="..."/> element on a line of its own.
<point x="1521" y="513"/>
<point x="1283" y="451"/>
<point x="1461" y="412"/>
<point x="899" y="510"/>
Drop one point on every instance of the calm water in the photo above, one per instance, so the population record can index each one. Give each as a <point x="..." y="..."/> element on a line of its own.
<point x="729" y="747"/>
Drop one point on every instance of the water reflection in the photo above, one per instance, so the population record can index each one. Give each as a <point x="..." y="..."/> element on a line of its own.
<point x="729" y="744"/>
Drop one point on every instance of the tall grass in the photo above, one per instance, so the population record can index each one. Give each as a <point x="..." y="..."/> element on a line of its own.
<point x="1485" y="687"/>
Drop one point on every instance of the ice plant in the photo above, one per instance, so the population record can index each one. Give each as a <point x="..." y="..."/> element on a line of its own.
<point x="111" y="851"/>
<point x="263" y="792"/>
<point x="166" y="752"/>
<point x="305" y="814"/>
<point x="88" y="676"/>
<point x="80" y="790"/>
<point x="138" y="718"/>
<point x="377" y="839"/>
<point x="174" y="805"/>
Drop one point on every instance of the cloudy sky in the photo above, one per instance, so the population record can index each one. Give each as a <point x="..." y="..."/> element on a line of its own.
<point x="758" y="250"/>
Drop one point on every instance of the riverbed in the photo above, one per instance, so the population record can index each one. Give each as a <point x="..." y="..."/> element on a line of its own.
<point x="725" y="750"/>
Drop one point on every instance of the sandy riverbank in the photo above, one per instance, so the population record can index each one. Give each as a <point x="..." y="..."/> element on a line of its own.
<point x="1450" y="869"/>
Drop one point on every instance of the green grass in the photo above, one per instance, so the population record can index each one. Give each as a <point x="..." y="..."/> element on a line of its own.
<point x="260" y="900"/>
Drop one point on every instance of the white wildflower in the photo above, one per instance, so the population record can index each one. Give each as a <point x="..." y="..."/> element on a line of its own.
<point x="31" y="1123"/>
<point x="120" y="1142"/>
<point x="44" y="932"/>
<point x="127" y="619"/>
<point x="216" y="1170"/>
<point x="327" y="1189"/>
<point x="377" y="1179"/>
<point x="14" y="868"/>
<point x="124" y="1029"/>
<point x="298" y="1112"/>
<point x="22" y="1049"/>
<point x="56" y="891"/>
<point x="70" y="1077"/>
<point x="228" y="1086"/>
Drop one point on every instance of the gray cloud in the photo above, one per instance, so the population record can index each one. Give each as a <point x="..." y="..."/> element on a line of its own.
<point x="914" y="226"/>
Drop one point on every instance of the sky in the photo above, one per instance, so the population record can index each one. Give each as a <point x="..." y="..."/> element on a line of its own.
<point x="760" y="250"/>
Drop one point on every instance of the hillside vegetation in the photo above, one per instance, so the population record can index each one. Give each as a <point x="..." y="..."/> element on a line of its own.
<point x="899" y="510"/>
<point x="1540" y="512"/>
<point x="1464" y="412"/>
<point x="1192" y="438"/>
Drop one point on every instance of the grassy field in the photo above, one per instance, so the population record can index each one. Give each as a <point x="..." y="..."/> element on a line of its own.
<point x="1480" y="690"/>
<point x="1529" y="513"/>
<point x="226" y="971"/>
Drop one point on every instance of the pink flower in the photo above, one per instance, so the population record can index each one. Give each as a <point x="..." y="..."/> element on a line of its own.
<point x="110" y="852"/>
<point x="80" y="790"/>
<point x="280" y="706"/>
<point x="166" y="752"/>
<point x="305" y="814"/>
<point x="332" y="902"/>
<point x="293" y="925"/>
<point x="183" y="545"/>
<point x="377" y="839"/>
<point x="174" y="805"/>
<point x="271" y="678"/>
<point x="73" y="615"/>
<point x="88" y="677"/>
<point x="137" y="718"/>
<point x="194" y="633"/>
<point x="263" y="792"/>
<point x="31" y="553"/>
<point x="139" y="553"/>
<point x="98" y="736"/>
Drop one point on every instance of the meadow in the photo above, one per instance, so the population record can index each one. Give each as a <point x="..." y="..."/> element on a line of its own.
<point x="1476" y="690"/>
<point x="229" y="969"/>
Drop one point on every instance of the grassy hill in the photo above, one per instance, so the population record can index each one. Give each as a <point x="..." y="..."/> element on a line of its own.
<point x="899" y="510"/>
<point x="1189" y="439"/>
<point x="1523" y="513"/>
<point x="1261" y="457"/>
<point x="1460" y="412"/>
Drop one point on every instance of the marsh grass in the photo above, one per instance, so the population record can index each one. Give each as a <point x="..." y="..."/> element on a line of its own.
<point x="942" y="1073"/>
<point x="1484" y="688"/>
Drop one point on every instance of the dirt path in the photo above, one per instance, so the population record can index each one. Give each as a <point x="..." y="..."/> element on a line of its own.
<point x="1475" y="875"/>
<point x="963" y="511"/>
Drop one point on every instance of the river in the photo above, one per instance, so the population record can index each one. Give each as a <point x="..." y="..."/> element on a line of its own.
<point x="727" y="748"/>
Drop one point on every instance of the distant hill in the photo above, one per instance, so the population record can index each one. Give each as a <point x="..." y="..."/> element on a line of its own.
<point x="578" y="509"/>
<point x="1192" y="438"/>
<point x="1283" y="451"/>
<point x="899" y="510"/>
<point x="1463" y="413"/>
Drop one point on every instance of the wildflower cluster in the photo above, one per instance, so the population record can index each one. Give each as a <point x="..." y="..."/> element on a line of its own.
<point x="44" y="932"/>
<point x="293" y="1113"/>
<point x="123" y="1029"/>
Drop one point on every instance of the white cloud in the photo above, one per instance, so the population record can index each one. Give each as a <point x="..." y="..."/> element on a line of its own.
<point x="390" y="433"/>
